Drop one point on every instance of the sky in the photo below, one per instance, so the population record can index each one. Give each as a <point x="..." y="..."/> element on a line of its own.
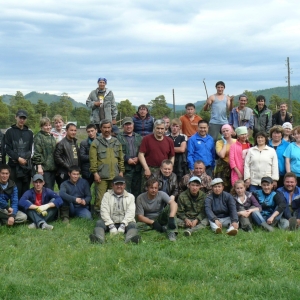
<point x="147" y="48"/>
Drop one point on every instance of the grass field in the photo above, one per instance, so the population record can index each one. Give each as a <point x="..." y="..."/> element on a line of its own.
<point x="63" y="264"/>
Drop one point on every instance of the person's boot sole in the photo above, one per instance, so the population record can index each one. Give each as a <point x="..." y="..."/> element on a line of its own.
<point x="232" y="232"/>
<point x="187" y="233"/>
<point x="218" y="230"/>
<point x="95" y="240"/>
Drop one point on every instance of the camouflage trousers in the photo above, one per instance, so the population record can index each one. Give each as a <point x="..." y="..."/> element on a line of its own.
<point x="133" y="180"/>
<point x="144" y="179"/>
<point x="201" y="225"/>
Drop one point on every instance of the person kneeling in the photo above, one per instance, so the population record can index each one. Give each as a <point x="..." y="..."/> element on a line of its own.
<point x="117" y="214"/>
<point x="273" y="206"/>
<point x="220" y="209"/>
<point x="40" y="204"/>
<point x="155" y="209"/>
<point x="191" y="211"/>
<point x="76" y="195"/>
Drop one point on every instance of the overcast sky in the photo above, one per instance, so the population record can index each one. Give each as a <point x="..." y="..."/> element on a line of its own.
<point x="147" y="48"/>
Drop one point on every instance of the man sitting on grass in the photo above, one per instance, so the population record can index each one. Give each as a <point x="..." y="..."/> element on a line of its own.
<point x="9" y="213"/>
<point x="76" y="195"/>
<point x="156" y="210"/>
<point x="220" y="209"/>
<point x="40" y="204"/>
<point x="117" y="214"/>
<point x="191" y="210"/>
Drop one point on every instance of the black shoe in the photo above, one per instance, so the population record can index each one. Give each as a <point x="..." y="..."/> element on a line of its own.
<point x="95" y="239"/>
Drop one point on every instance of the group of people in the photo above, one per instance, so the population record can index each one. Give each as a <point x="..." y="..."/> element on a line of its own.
<point x="155" y="174"/>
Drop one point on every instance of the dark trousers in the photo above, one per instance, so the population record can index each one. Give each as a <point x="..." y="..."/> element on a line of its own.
<point x="60" y="178"/>
<point x="49" y="178"/>
<point x="37" y="218"/>
<point x="22" y="183"/>
<point x="133" y="182"/>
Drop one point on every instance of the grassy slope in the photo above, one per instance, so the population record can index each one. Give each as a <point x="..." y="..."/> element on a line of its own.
<point x="62" y="264"/>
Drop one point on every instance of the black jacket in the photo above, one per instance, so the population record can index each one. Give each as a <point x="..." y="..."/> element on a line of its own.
<point x="2" y="149"/>
<point x="276" y="119"/>
<point x="63" y="155"/>
<point x="84" y="158"/>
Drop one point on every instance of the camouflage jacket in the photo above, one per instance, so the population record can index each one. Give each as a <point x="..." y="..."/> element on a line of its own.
<point x="188" y="208"/>
<point x="44" y="146"/>
<point x="205" y="182"/>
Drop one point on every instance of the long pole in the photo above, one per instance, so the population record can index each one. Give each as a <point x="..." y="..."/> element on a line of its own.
<point x="174" y="104"/>
<point x="289" y="85"/>
<point x="205" y="88"/>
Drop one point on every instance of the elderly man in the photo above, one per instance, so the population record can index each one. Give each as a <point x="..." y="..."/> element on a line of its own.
<point x="9" y="212"/>
<point x="102" y="103"/>
<point x="156" y="210"/>
<point x="117" y="214"/>
<point x="220" y="209"/>
<point x="40" y="204"/>
<point x="190" y="120"/>
<point x="200" y="172"/>
<point x="201" y="146"/>
<point x="154" y="149"/>
<point x="131" y="143"/>
<point x="191" y="207"/>
<point x="106" y="160"/>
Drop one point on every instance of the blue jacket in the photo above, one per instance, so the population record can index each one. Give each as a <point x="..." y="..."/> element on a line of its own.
<point x="295" y="201"/>
<point x="201" y="148"/>
<point x="69" y="191"/>
<point x="9" y="194"/>
<point x="143" y="126"/>
<point x="47" y="195"/>
<point x="279" y="151"/>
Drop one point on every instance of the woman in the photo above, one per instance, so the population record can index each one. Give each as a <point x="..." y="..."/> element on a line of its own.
<point x="222" y="169"/>
<point x="287" y="132"/>
<point x="279" y="144"/>
<point x="246" y="204"/>
<point x="237" y="154"/>
<point x="58" y="132"/>
<point x="44" y="145"/>
<point x="292" y="155"/>
<point x="261" y="160"/>
<point x="143" y="122"/>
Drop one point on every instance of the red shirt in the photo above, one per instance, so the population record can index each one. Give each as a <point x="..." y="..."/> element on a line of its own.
<point x="156" y="151"/>
<point x="38" y="199"/>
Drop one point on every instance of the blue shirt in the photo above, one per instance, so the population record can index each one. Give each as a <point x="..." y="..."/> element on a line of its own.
<point x="293" y="153"/>
<point x="279" y="151"/>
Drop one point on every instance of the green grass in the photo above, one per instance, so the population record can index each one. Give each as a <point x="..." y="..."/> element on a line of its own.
<point x="63" y="264"/>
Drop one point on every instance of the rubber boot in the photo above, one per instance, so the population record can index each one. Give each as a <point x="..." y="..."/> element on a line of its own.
<point x="132" y="236"/>
<point x="64" y="214"/>
<point x="98" y="236"/>
<point x="267" y="226"/>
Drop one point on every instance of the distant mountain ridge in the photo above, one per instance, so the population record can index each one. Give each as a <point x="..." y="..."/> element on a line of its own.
<point x="282" y="92"/>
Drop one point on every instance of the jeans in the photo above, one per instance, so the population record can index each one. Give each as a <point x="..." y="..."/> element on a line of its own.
<point x="80" y="211"/>
<point x="259" y="219"/>
<point x="37" y="218"/>
<point x="253" y="188"/>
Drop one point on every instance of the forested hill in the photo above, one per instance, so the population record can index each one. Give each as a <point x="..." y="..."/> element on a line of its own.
<point x="282" y="92"/>
<point x="33" y="97"/>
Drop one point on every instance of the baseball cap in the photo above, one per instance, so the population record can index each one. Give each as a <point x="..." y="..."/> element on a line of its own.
<point x="267" y="179"/>
<point x="127" y="120"/>
<point x="195" y="178"/>
<point x="216" y="181"/>
<point x="21" y="113"/>
<point x="37" y="177"/>
<point x="118" y="179"/>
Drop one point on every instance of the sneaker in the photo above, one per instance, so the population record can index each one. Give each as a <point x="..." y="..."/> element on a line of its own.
<point x="218" y="230"/>
<point x="172" y="236"/>
<point x="187" y="233"/>
<point x="231" y="231"/>
<point x="292" y="223"/>
<point x="46" y="226"/>
<point x="32" y="226"/>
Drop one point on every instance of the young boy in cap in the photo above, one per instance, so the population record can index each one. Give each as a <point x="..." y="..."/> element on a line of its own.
<point x="220" y="209"/>
<point x="117" y="214"/>
<point x="191" y="208"/>
<point x="40" y="204"/>
<point x="9" y="212"/>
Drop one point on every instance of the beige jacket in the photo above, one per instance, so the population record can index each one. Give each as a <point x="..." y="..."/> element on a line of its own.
<point x="107" y="206"/>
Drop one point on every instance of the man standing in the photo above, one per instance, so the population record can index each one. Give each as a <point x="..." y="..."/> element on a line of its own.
<point x="189" y="121"/>
<point x="191" y="208"/>
<point x="40" y="204"/>
<point x="282" y="115"/>
<point x="156" y="210"/>
<point x="220" y="209"/>
<point x="2" y="149"/>
<point x="143" y="122"/>
<point x="154" y="149"/>
<point x="106" y="161"/>
<point x="18" y="145"/>
<point x="76" y="195"/>
<point x="167" y="125"/>
<point x="180" y="140"/>
<point x="262" y="116"/>
<point x="219" y="103"/>
<point x="117" y="214"/>
<point x="66" y="154"/>
<point x="241" y="115"/>
<point x="102" y="103"/>
<point x="131" y="143"/>
<point x="85" y="145"/>
<point x="9" y="212"/>
<point x="200" y="172"/>
<point x="201" y="146"/>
